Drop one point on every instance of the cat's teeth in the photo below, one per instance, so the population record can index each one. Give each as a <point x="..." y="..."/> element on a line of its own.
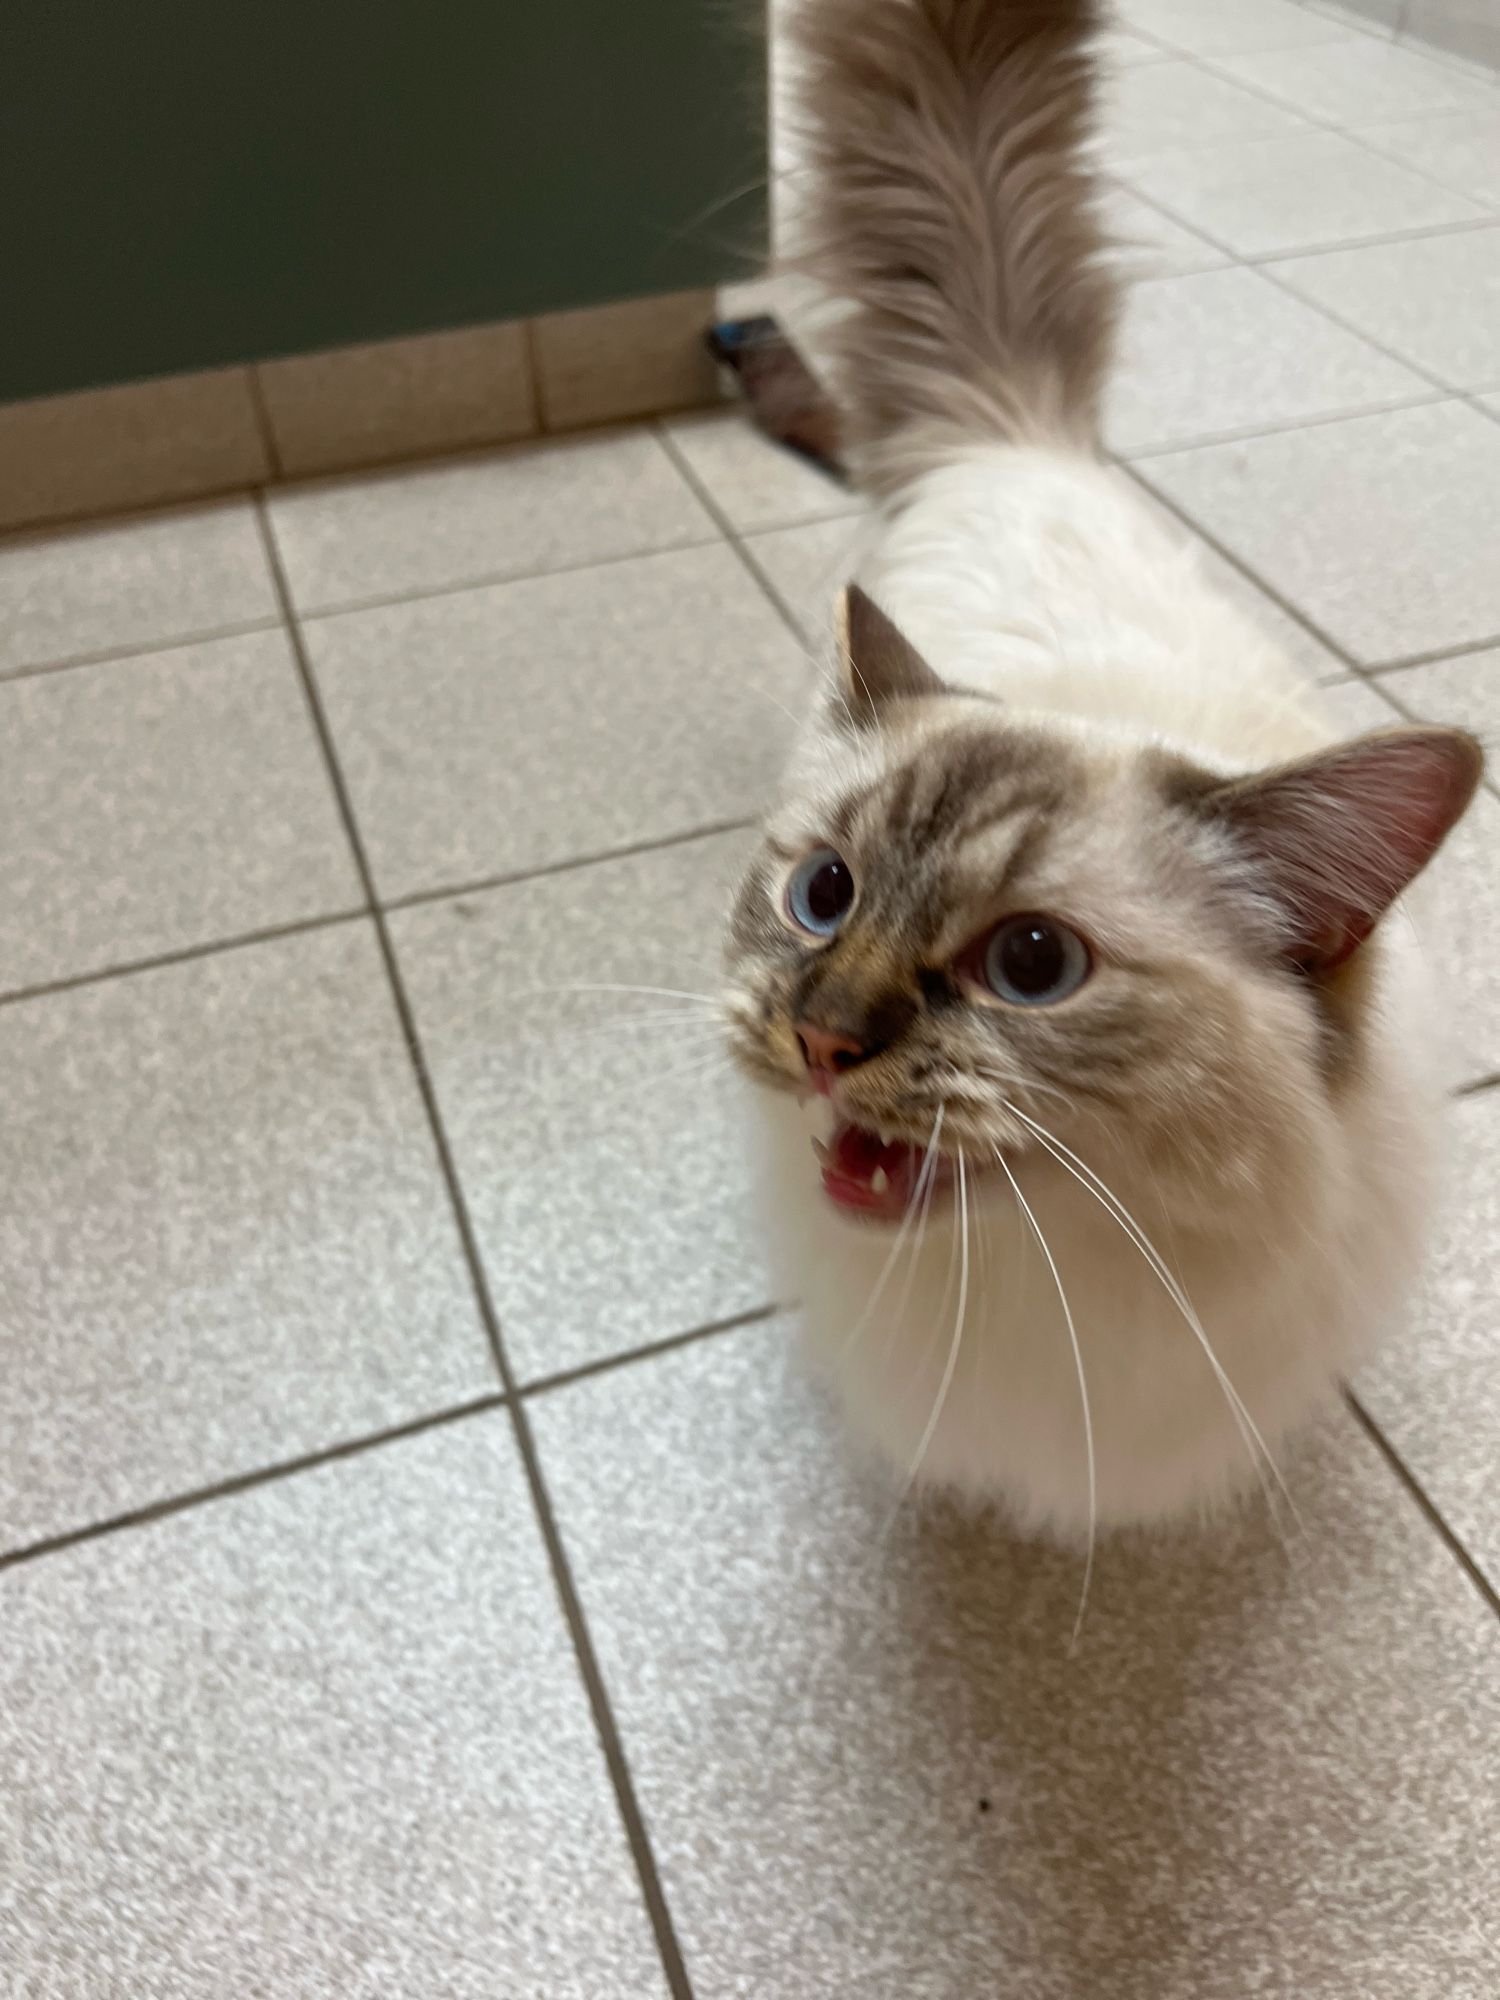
<point x="824" y="1154"/>
<point x="879" y="1181"/>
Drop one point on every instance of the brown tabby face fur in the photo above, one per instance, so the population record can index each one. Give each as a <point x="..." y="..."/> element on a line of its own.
<point x="1192" y="1046"/>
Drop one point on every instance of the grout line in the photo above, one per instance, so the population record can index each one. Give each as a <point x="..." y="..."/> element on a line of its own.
<point x="1419" y="1493"/>
<point x="85" y="519"/>
<point x="1257" y="260"/>
<point x="312" y="614"/>
<point x="1432" y="659"/>
<point x="289" y="484"/>
<point x="1285" y="286"/>
<point x="67" y="661"/>
<point x="1468" y="226"/>
<point x="1317" y="122"/>
<point x="607" y="1364"/>
<point x="533" y="376"/>
<point x="211" y="949"/>
<point x="736" y="541"/>
<point x="416" y="898"/>
<point x="567" y="1593"/>
<point x="263" y="419"/>
<point x="245" y="1482"/>
<point x="1266" y="589"/>
<point x="1353" y="413"/>
<point x="236" y="1483"/>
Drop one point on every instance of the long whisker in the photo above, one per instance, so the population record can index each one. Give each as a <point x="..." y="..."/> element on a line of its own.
<point x="929" y="1172"/>
<point x="928" y="1167"/>
<point x="1083" y="1393"/>
<point x="958" y="1324"/>
<point x="653" y="992"/>
<point x="1255" y="1444"/>
<point x="702" y="1067"/>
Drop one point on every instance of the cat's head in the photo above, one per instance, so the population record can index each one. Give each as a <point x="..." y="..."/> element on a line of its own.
<point x="963" y="924"/>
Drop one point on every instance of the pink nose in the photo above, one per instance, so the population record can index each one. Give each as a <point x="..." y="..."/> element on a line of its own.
<point x="832" y="1053"/>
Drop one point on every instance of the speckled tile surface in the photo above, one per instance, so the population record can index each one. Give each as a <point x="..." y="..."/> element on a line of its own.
<point x="144" y="581"/>
<point x="224" y="1239"/>
<point x="596" y="1130"/>
<point x="539" y="507"/>
<point x="326" y="1740"/>
<point x="1392" y="553"/>
<point x="379" y="1706"/>
<point x="1225" y="351"/>
<point x="1435" y="1391"/>
<point x="155" y="803"/>
<point x="870" y="1766"/>
<point x="496" y="731"/>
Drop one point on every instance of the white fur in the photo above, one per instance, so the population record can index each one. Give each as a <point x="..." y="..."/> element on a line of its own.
<point x="1045" y="579"/>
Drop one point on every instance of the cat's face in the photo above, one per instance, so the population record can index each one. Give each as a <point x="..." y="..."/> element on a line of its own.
<point x="962" y="925"/>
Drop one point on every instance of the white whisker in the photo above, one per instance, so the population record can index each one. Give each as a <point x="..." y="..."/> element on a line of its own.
<point x="1260" y="1453"/>
<point x="928" y="1166"/>
<point x="652" y="992"/>
<point x="958" y="1324"/>
<point x="929" y="1173"/>
<point x="1083" y="1393"/>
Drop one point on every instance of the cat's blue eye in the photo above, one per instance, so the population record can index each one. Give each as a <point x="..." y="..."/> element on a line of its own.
<point x="1034" y="961"/>
<point x="820" y="892"/>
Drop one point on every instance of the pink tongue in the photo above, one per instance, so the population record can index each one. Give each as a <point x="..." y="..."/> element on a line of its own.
<point x="853" y="1158"/>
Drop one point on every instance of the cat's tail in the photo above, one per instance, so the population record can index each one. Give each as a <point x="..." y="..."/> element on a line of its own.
<point x="951" y="208"/>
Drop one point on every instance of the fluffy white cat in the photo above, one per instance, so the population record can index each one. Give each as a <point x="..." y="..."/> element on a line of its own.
<point x="1098" y="1104"/>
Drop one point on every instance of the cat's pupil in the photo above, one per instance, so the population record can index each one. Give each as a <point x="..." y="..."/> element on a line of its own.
<point x="830" y="892"/>
<point x="1033" y="958"/>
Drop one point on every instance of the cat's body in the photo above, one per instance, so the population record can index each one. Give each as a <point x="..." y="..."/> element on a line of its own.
<point x="1052" y="717"/>
<point x="1044" y="581"/>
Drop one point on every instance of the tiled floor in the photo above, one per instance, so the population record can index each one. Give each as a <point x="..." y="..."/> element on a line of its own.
<point x="424" y="1570"/>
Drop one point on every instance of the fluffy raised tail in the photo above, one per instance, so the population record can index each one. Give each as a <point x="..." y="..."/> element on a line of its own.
<point x="950" y="207"/>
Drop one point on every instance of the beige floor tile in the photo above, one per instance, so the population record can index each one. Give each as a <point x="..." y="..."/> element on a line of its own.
<point x="395" y="398"/>
<point x="133" y="583"/>
<point x="1378" y="527"/>
<point x="1464" y="691"/>
<point x="326" y="1738"/>
<point x="807" y="566"/>
<point x="871" y="1766"/>
<point x="130" y="446"/>
<point x="1119" y="49"/>
<point x="160" y="802"/>
<point x="227" y="1242"/>
<point x="596" y="1131"/>
<point x="1459" y="148"/>
<point x="1360" y="81"/>
<point x="1435" y="301"/>
<point x="1162" y="106"/>
<point x="1152" y="245"/>
<point x="1293" y="194"/>
<point x="1373" y="17"/>
<point x="1435" y="1391"/>
<point x="754" y="483"/>
<point x="632" y="359"/>
<point x="1229" y="27"/>
<point x="1225" y="352"/>
<point x="551" y="506"/>
<point x="501" y="730"/>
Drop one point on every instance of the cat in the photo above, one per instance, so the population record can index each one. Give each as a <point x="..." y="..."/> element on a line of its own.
<point x="1096" y="1108"/>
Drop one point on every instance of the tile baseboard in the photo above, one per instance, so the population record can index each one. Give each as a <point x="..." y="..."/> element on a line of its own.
<point x="185" y="437"/>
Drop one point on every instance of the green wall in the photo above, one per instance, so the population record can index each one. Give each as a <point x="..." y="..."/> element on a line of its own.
<point x="185" y="183"/>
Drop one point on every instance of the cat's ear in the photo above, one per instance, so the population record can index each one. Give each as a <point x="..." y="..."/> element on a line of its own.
<point x="876" y="664"/>
<point x="1335" y="838"/>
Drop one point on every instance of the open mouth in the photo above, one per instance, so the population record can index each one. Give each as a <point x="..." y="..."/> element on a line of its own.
<point x="878" y="1178"/>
